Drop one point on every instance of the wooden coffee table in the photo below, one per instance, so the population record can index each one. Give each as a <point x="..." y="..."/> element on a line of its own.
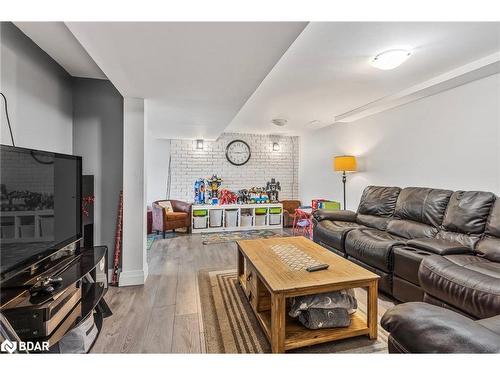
<point x="272" y="270"/>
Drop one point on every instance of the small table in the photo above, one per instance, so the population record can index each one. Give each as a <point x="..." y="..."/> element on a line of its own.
<point x="272" y="270"/>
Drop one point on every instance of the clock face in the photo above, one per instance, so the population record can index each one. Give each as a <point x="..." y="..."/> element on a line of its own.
<point x="238" y="152"/>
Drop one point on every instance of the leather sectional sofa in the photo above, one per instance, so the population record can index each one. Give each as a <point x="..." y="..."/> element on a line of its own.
<point x="430" y="245"/>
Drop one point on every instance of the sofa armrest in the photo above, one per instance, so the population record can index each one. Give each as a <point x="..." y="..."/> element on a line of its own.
<point x="158" y="216"/>
<point x="418" y="327"/>
<point x="341" y="215"/>
<point x="439" y="246"/>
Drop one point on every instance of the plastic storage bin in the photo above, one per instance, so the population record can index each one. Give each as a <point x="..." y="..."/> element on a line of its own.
<point x="275" y="216"/>
<point x="215" y="218"/>
<point x="246" y="220"/>
<point x="231" y="218"/>
<point x="200" y="219"/>
<point x="260" y="216"/>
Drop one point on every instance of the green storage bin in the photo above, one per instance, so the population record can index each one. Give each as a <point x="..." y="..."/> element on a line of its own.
<point x="200" y="213"/>
<point x="275" y="210"/>
<point x="260" y="211"/>
<point x="332" y="206"/>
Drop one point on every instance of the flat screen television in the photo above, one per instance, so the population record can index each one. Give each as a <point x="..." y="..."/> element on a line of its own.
<point x="40" y="206"/>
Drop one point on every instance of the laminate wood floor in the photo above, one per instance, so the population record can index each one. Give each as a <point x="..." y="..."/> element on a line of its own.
<point x="164" y="316"/>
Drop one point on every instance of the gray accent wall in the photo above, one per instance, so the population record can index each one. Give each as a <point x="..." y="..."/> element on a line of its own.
<point x="98" y="138"/>
<point x="39" y="93"/>
<point x="50" y="110"/>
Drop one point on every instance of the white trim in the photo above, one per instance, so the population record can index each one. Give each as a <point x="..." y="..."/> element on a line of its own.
<point x="473" y="71"/>
<point x="133" y="277"/>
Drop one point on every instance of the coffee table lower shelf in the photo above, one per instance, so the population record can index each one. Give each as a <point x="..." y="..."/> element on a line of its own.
<point x="297" y="336"/>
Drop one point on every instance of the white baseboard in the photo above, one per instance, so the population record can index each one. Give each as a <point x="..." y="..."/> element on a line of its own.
<point x="134" y="277"/>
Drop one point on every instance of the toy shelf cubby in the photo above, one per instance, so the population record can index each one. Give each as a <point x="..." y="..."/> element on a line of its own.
<point x="206" y="218"/>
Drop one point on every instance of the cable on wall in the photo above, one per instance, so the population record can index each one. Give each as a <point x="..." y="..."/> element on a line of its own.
<point x="169" y="169"/>
<point x="7" y="116"/>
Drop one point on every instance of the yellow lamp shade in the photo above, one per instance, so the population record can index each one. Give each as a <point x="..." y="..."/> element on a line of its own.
<point x="344" y="163"/>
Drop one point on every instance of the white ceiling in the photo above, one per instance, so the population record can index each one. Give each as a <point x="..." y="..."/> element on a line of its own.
<point x="60" y="44"/>
<point x="195" y="77"/>
<point x="200" y="79"/>
<point x="326" y="72"/>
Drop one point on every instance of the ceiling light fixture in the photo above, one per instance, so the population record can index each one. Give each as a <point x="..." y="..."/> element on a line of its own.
<point x="276" y="146"/>
<point x="390" y="59"/>
<point x="199" y="144"/>
<point x="279" y="121"/>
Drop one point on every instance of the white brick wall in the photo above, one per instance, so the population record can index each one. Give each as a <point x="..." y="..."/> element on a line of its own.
<point x="189" y="164"/>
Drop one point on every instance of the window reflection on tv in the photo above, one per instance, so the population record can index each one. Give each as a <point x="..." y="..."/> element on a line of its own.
<point x="40" y="197"/>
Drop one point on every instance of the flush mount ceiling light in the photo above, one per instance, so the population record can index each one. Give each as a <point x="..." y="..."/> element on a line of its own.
<point x="279" y="121"/>
<point x="199" y="144"/>
<point x="390" y="59"/>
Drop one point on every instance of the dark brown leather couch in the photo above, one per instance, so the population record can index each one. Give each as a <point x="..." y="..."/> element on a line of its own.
<point x="418" y="327"/>
<point x="429" y="245"/>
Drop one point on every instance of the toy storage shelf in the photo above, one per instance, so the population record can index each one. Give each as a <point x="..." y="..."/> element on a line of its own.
<point x="253" y="218"/>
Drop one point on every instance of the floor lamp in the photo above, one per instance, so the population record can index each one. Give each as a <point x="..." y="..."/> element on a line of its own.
<point x="344" y="163"/>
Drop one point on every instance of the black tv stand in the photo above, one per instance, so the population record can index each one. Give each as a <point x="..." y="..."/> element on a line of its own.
<point x="87" y="273"/>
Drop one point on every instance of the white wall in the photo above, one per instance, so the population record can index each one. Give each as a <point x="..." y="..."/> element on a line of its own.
<point x="158" y="153"/>
<point x="189" y="164"/>
<point x="134" y="263"/>
<point x="39" y="94"/>
<point x="449" y="140"/>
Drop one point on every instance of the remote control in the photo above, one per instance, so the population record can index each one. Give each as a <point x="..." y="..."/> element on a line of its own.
<point x="318" y="267"/>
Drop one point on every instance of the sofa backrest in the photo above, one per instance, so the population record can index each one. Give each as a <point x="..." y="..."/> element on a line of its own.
<point x="466" y="216"/>
<point x="419" y="212"/>
<point x="489" y="245"/>
<point x="377" y="205"/>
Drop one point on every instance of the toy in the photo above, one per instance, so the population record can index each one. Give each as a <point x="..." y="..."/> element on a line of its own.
<point x="227" y="197"/>
<point x="199" y="191"/>
<point x="214" y="183"/>
<point x="272" y="189"/>
<point x="243" y="196"/>
<point x="258" y="195"/>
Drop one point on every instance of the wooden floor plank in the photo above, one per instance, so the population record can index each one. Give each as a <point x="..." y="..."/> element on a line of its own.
<point x="186" y="336"/>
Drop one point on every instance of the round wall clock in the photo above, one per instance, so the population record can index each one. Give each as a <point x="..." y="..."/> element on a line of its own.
<point x="238" y="152"/>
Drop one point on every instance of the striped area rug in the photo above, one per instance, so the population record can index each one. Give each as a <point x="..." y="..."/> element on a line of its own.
<point x="230" y="326"/>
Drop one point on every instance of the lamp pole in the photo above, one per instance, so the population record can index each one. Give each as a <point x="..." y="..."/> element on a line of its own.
<point x="344" y="179"/>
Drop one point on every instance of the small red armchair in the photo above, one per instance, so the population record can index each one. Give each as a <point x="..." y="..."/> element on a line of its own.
<point x="289" y="207"/>
<point x="164" y="221"/>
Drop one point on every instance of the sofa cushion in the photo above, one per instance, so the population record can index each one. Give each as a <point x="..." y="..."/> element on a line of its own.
<point x="372" y="221"/>
<point x="493" y="324"/>
<point x="493" y="223"/>
<point x="470" y="283"/>
<point x="468" y="211"/>
<point x="423" y="205"/>
<point x="418" y="327"/>
<point x="372" y="246"/>
<point x="176" y="216"/>
<point x="378" y="200"/>
<point x="332" y="233"/>
<point x="410" y="229"/>
<point x="489" y="246"/>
